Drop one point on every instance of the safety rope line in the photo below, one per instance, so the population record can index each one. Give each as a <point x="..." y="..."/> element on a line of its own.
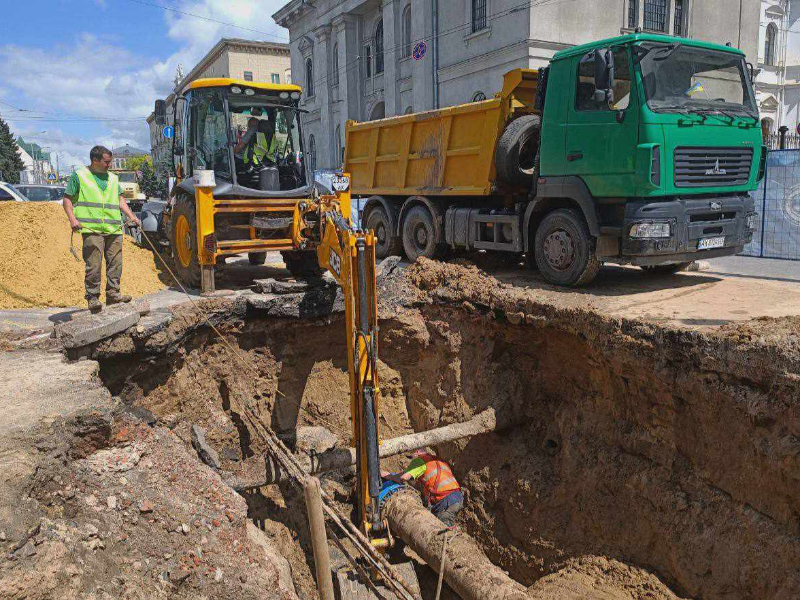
<point x="293" y="468"/>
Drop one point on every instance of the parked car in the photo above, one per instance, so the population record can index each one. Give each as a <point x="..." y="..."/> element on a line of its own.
<point x="8" y="192"/>
<point x="42" y="193"/>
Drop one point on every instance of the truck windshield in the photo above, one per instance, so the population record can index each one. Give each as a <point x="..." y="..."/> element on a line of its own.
<point x="689" y="79"/>
<point x="127" y="177"/>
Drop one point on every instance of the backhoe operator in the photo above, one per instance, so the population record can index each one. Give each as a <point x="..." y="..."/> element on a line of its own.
<point x="258" y="144"/>
<point x="435" y="479"/>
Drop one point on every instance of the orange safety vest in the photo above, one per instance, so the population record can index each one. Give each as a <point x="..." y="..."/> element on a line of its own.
<point x="438" y="480"/>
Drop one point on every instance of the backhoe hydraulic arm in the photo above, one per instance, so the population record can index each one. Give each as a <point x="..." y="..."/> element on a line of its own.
<point x="349" y="255"/>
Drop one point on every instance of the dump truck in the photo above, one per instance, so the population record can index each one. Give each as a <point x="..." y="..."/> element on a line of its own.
<point x="245" y="136"/>
<point x="640" y="149"/>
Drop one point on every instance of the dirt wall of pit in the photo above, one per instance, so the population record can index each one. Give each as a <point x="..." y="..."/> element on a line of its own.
<point x="672" y="450"/>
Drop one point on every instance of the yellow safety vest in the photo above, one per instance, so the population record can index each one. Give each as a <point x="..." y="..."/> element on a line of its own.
<point x="260" y="149"/>
<point x="97" y="210"/>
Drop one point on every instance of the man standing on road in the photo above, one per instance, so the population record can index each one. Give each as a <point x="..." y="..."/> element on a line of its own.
<point x="437" y="482"/>
<point x="94" y="207"/>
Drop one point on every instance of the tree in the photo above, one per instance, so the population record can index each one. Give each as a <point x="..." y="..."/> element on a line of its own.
<point x="135" y="163"/>
<point x="10" y="162"/>
<point x="148" y="181"/>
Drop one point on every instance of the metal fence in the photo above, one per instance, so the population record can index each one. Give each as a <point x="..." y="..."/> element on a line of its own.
<point x="777" y="201"/>
<point x="791" y="141"/>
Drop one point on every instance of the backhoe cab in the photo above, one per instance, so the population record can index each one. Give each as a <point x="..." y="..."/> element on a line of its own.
<point x="248" y="135"/>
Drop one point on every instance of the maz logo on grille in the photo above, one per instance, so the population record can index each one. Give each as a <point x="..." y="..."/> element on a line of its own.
<point x="716" y="170"/>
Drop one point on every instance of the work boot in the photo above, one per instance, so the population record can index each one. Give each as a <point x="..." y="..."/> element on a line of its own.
<point x="95" y="306"/>
<point x="117" y="298"/>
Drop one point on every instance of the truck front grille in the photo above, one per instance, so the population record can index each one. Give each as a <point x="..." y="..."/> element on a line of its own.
<point x="709" y="166"/>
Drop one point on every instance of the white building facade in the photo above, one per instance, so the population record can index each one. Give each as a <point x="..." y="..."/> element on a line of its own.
<point x="778" y="82"/>
<point x="356" y="59"/>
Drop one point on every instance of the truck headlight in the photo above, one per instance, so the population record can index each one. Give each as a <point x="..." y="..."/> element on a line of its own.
<point x="751" y="221"/>
<point x="650" y="229"/>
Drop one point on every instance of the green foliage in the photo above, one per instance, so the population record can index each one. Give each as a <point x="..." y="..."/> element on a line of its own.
<point x="148" y="182"/>
<point x="10" y="162"/>
<point x="135" y="163"/>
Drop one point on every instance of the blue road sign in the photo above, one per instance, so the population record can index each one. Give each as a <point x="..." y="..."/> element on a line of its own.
<point x="420" y="48"/>
<point x="169" y="132"/>
<point x="51" y="177"/>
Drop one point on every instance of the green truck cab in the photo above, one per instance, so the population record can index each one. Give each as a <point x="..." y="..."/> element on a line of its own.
<point x="658" y="140"/>
<point x="640" y="149"/>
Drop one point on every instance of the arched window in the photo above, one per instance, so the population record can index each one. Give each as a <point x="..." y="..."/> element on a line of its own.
<point x="312" y="155"/>
<point x="479" y="97"/>
<point x="339" y="157"/>
<point x="335" y="74"/>
<point x="378" y="111"/>
<point x="379" y="47"/>
<point x="309" y="77"/>
<point x="633" y="14"/>
<point x="407" y="31"/>
<point x="769" y="44"/>
<point x="408" y="110"/>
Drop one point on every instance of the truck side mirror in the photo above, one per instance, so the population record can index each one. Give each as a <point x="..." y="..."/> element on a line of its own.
<point x="160" y="112"/>
<point x="604" y="75"/>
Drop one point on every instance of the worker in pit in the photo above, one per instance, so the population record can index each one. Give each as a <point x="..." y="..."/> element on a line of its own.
<point x="94" y="208"/>
<point x="436" y="481"/>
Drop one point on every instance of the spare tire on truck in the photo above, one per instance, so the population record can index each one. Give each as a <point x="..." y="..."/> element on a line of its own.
<point x="516" y="156"/>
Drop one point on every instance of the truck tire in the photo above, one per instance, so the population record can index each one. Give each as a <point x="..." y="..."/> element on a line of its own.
<point x="387" y="244"/>
<point x="183" y="241"/>
<point x="302" y="264"/>
<point x="565" y="250"/>
<point x="419" y="233"/>
<point x="517" y="149"/>
<point x="256" y="258"/>
<point x="666" y="269"/>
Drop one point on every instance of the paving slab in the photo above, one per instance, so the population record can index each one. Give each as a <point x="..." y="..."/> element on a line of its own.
<point x="89" y="329"/>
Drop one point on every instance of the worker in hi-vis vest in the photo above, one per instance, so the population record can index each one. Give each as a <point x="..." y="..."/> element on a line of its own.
<point x="258" y="144"/>
<point x="436" y="481"/>
<point x="94" y="207"/>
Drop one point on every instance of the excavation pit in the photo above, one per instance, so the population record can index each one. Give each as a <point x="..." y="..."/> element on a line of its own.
<point x="652" y="462"/>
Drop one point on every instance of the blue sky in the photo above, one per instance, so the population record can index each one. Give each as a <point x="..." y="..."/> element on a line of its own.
<point x="88" y="71"/>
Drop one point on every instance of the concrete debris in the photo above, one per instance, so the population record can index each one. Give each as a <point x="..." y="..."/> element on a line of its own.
<point x="111" y="502"/>
<point x="314" y="440"/>
<point x="274" y="286"/>
<point x="316" y="302"/>
<point x="206" y="453"/>
<point x="89" y="329"/>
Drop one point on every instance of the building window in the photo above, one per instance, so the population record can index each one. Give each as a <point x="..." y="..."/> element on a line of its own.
<point x="479" y="97"/>
<point x="655" y="15"/>
<point x="312" y="154"/>
<point x="769" y="44"/>
<point x="408" y="110"/>
<point x="407" y="31"/>
<point x="367" y="61"/>
<point x="677" y="27"/>
<point x="478" y="15"/>
<point x="309" y="77"/>
<point x="287" y="76"/>
<point x="335" y="74"/>
<point x="379" y="47"/>
<point x="248" y="76"/>
<point x="276" y="78"/>
<point x="633" y="15"/>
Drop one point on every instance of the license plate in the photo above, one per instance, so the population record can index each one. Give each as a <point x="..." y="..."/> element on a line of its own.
<point x="708" y="243"/>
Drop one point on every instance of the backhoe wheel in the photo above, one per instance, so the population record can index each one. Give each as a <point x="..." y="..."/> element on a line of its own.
<point x="183" y="240"/>
<point x="419" y="233"/>
<point x="257" y="258"/>
<point x="516" y="156"/>
<point x="666" y="269"/>
<point x="387" y="244"/>
<point x="302" y="264"/>
<point x="564" y="249"/>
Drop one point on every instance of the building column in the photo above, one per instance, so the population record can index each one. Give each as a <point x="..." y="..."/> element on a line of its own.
<point x="346" y="33"/>
<point x="390" y="55"/>
<point x="322" y="87"/>
<point x="422" y="70"/>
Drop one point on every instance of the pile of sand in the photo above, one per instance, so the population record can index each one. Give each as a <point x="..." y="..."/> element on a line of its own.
<point x="37" y="268"/>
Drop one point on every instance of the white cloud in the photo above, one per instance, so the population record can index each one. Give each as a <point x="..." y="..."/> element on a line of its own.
<point x="98" y="78"/>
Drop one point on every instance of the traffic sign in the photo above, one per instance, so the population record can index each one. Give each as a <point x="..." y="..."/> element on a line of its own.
<point x="169" y="132"/>
<point x="420" y="48"/>
<point x="51" y="177"/>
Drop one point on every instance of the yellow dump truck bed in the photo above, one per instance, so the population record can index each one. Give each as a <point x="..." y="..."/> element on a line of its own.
<point x="448" y="152"/>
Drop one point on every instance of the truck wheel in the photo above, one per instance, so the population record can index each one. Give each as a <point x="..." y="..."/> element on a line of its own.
<point x="257" y="258"/>
<point x="419" y="234"/>
<point x="387" y="243"/>
<point x="515" y="157"/>
<point x="666" y="269"/>
<point x="183" y="240"/>
<point x="564" y="249"/>
<point x="302" y="264"/>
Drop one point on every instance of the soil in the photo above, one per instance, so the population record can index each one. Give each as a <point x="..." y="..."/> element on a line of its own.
<point x="37" y="268"/>
<point x="654" y="462"/>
